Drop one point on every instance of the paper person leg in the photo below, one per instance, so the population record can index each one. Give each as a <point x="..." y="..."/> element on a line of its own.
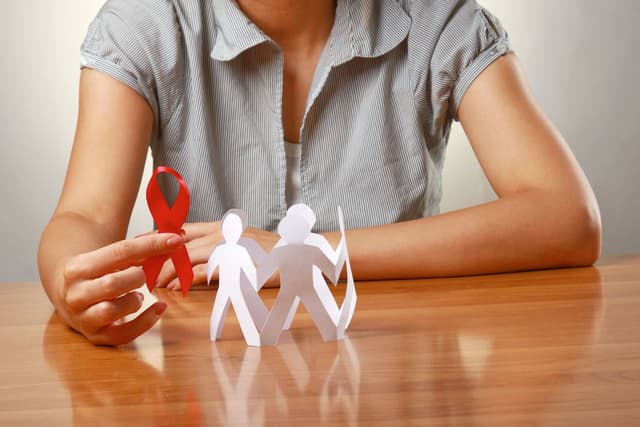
<point x="249" y="330"/>
<point x="219" y="313"/>
<point x="276" y="318"/>
<point x="349" y="303"/>
<point x="316" y="308"/>
<point x="322" y="288"/>
<point x="348" y="307"/>
<point x="247" y="305"/>
<point x="256" y="306"/>
<point x="292" y="314"/>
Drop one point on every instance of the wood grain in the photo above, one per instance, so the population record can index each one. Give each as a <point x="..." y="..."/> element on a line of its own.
<point x="550" y="348"/>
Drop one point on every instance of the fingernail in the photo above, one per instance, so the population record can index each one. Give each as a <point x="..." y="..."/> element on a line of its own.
<point x="175" y="241"/>
<point x="171" y="285"/>
<point x="160" y="308"/>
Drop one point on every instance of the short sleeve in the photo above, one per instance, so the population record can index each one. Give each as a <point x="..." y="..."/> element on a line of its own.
<point x="470" y="41"/>
<point x="450" y="43"/>
<point x="137" y="42"/>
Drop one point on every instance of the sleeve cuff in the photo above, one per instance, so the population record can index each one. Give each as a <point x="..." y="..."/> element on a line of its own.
<point x="499" y="48"/>
<point x="112" y="70"/>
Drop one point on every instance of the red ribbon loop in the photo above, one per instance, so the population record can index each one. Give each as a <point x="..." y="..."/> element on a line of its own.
<point x="169" y="220"/>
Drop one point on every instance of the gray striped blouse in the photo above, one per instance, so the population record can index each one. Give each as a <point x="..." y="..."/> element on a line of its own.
<point x="378" y="115"/>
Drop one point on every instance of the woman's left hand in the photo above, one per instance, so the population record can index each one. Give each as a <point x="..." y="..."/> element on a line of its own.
<point x="201" y="238"/>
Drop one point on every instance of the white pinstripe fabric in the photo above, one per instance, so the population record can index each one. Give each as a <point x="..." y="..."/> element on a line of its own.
<point x="383" y="96"/>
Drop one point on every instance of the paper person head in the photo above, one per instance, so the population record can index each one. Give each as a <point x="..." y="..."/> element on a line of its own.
<point x="232" y="228"/>
<point x="294" y="229"/>
<point x="304" y="211"/>
<point x="240" y="214"/>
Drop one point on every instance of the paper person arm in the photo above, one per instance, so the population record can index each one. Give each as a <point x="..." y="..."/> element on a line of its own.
<point x="323" y="244"/>
<point x="250" y="272"/>
<point x="327" y="266"/>
<point x="340" y="258"/>
<point x="265" y="270"/>
<point x="257" y="254"/>
<point x="546" y="214"/>
<point x="213" y="263"/>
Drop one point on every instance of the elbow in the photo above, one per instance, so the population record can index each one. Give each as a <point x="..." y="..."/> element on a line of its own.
<point x="584" y="241"/>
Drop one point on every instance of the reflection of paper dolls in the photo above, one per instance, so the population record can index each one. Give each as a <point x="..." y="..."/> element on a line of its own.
<point x="237" y="283"/>
<point x="239" y="407"/>
<point x="319" y="283"/>
<point x="295" y="261"/>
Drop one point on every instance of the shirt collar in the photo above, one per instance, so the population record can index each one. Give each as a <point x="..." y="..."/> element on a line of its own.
<point x="367" y="29"/>
<point x="234" y="33"/>
<point x="362" y="28"/>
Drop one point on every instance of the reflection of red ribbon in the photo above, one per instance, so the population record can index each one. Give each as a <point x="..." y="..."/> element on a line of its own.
<point x="169" y="220"/>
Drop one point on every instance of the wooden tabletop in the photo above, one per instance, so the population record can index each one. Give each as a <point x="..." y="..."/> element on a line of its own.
<point x="551" y="348"/>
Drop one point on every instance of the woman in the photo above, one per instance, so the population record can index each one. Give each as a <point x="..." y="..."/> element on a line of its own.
<point x="364" y="93"/>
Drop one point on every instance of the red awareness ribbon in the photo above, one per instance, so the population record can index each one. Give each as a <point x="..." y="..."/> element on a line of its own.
<point x="169" y="220"/>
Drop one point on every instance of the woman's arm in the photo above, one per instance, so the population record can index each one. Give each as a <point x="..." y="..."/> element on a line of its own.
<point x="86" y="269"/>
<point x="546" y="214"/>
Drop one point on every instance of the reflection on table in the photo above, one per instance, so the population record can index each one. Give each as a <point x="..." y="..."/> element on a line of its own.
<point x="495" y="349"/>
<point x="546" y="348"/>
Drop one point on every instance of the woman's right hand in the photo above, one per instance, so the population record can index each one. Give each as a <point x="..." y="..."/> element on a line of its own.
<point x="98" y="290"/>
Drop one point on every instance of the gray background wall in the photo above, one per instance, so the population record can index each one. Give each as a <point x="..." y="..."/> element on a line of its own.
<point x="581" y="58"/>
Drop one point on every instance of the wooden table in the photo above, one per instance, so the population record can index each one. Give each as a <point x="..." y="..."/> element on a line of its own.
<point x="556" y="348"/>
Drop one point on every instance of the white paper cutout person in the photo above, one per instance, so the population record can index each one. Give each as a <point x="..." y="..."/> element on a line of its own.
<point x="237" y="282"/>
<point x="295" y="261"/>
<point x="255" y="250"/>
<point x="319" y="283"/>
<point x="341" y="316"/>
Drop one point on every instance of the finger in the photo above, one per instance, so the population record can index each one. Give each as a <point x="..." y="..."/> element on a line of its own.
<point x="168" y="272"/>
<point x="87" y="293"/>
<point x="199" y="278"/>
<point x="146" y="234"/>
<point x="196" y="230"/>
<point x="119" y="255"/>
<point x="199" y="251"/>
<point x="126" y="332"/>
<point x="200" y="274"/>
<point x="105" y="313"/>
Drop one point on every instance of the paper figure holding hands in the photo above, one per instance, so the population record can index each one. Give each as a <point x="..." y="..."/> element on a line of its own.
<point x="319" y="283"/>
<point x="237" y="282"/>
<point x="301" y="257"/>
<point x="295" y="261"/>
<point x="341" y="316"/>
